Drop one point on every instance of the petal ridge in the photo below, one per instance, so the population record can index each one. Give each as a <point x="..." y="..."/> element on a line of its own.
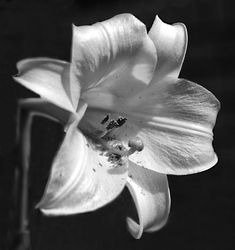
<point x="175" y="121"/>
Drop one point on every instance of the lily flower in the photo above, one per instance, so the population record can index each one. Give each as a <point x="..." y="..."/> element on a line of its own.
<point x="129" y="119"/>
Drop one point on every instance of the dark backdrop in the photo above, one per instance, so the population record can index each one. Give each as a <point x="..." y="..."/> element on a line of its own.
<point x="202" y="213"/>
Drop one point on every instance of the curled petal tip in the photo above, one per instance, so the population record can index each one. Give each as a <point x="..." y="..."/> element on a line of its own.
<point x="134" y="228"/>
<point x="171" y="44"/>
<point x="151" y="195"/>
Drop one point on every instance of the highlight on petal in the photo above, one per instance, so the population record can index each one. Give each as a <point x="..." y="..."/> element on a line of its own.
<point x="82" y="179"/>
<point x="152" y="199"/>
<point x="171" y="44"/>
<point x="46" y="77"/>
<point x="175" y="121"/>
<point x="115" y="56"/>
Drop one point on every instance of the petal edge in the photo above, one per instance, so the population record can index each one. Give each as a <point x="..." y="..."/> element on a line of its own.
<point x="44" y="77"/>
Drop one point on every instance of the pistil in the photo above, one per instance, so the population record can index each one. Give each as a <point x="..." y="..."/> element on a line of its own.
<point x="135" y="145"/>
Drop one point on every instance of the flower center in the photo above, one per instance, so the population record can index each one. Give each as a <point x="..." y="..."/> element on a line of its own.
<point x="104" y="136"/>
<point x="116" y="152"/>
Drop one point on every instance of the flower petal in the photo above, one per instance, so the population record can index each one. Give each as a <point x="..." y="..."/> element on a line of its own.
<point x="82" y="179"/>
<point x="152" y="198"/>
<point x="114" y="56"/>
<point x="175" y="122"/>
<point x="171" y="44"/>
<point x="48" y="78"/>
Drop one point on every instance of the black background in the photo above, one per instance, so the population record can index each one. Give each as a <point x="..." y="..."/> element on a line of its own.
<point x="202" y="212"/>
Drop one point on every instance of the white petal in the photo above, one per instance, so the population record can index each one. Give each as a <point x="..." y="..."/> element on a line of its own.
<point x="82" y="179"/>
<point x="175" y="122"/>
<point x="171" y="44"/>
<point x="115" y="56"/>
<point x="152" y="199"/>
<point x="46" y="77"/>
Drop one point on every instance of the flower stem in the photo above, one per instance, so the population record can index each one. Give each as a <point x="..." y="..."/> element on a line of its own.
<point x="24" y="121"/>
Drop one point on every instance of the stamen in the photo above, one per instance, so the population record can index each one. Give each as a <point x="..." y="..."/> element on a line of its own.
<point x="105" y="119"/>
<point x="112" y="124"/>
<point x="121" y="121"/>
<point x="116" y="124"/>
<point x="135" y="144"/>
<point x="116" y="153"/>
<point x="114" y="158"/>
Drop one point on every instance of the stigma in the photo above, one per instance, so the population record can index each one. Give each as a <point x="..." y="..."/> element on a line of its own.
<point x="135" y="145"/>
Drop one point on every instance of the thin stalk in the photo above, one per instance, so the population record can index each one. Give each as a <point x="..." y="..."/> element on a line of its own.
<point x="24" y="121"/>
<point x="27" y="109"/>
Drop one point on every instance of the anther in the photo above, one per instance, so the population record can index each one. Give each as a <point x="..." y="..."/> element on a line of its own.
<point x="112" y="124"/>
<point x="135" y="144"/>
<point x="121" y="121"/>
<point x="105" y="119"/>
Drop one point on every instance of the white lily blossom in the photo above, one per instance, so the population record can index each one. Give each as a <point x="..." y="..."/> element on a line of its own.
<point x="130" y="120"/>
